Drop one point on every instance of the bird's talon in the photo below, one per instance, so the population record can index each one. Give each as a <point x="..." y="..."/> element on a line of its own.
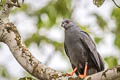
<point x="82" y="76"/>
<point x="72" y="72"/>
<point x="67" y="74"/>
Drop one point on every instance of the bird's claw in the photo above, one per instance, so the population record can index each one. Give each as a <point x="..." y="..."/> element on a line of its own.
<point x="82" y="76"/>
<point x="67" y="74"/>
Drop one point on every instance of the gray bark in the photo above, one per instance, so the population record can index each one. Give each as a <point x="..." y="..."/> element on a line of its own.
<point x="10" y="36"/>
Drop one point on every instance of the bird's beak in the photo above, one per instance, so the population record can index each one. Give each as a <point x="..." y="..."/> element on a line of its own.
<point x="62" y="24"/>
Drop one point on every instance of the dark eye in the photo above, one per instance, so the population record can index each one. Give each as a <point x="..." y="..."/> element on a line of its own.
<point x="67" y="22"/>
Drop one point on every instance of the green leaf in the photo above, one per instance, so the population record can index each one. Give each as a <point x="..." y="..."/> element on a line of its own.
<point x="39" y="23"/>
<point x="100" y="21"/>
<point x="84" y="28"/>
<point x="117" y="40"/>
<point x="3" y="72"/>
<point x="98" y="3"/>
<point x="111" y="61"/>
<point x="116" y="16"/>
<point x="34" y="38"/>
<point x="65" y="9"/>
<point x="2" y="2"/>
<point x="98" y="39"/>
<point x="24" y="7"/>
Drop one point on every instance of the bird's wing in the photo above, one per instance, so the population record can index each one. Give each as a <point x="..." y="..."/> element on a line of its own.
<point x="101" y="62"/>
<point x="89" y="45"/>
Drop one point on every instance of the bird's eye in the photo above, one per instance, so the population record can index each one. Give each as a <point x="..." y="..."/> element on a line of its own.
<point x="67" y="22"/>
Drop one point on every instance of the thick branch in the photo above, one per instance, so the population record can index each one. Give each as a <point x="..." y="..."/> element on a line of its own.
<point x="10" y="36"/>
<point x="109" y="74"/>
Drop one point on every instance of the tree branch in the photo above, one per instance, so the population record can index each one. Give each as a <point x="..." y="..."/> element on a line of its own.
<point x="109" y="74"/>
<point x="10" y="36"/>
<point x="116" y="4"/>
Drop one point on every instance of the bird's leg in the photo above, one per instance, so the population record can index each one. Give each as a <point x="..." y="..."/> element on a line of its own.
<point x="85" y="71"/>
<point x="71" y="72"/>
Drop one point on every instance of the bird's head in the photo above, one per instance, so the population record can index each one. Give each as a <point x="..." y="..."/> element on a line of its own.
<point x="67" y="23"/>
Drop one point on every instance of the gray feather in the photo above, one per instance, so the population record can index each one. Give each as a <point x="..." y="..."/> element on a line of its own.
<point x="89" y="44"/>
<point x="80" y="49"/>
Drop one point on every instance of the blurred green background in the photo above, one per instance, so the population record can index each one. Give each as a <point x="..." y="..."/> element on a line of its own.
<point x="38" y="22"/>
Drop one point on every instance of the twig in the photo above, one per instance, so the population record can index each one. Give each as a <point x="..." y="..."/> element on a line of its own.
<point x="116" y="4"/>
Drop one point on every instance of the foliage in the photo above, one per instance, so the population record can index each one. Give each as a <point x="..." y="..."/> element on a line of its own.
<point x="116" y="16"/>
<point x="98" y="3"/>
<point x="50" y="16"/>
<point x="98" y="39"/>
<point x="36" y="38"/>
<point x="2" y="2"/>
<point x="100" y="21"/>
<point x="111" y="61"/>
<point x="53" y="11"/>
<point x="4" y="74"/>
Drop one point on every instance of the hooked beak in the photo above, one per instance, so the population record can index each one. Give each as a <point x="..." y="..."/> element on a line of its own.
<point x="63" y="24"/>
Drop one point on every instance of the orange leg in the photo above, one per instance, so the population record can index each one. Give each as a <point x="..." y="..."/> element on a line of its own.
<point x="71" y="72"/>
<point x="85" y="72"/>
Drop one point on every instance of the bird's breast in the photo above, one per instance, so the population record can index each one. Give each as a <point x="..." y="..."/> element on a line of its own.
<point x="76" y="49"/>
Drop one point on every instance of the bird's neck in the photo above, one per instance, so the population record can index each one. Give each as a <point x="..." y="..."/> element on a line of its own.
<point x="69" y="27"/>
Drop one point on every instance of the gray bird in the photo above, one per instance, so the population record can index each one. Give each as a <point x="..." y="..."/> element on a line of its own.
<point x="81" y="50"/>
